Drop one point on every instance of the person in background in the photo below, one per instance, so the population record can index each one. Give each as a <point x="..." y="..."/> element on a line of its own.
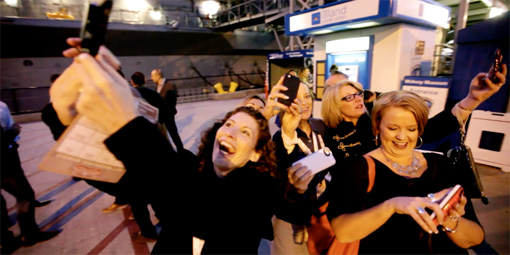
<point x="406" y="183"/>
<point x="168" y="92"/>
<point x="335" y="78"/>
<point x="253" y="101"/>
<point x="305" y="77"/>
<point x="13" y="181"/>
<point x="299" y="135"/>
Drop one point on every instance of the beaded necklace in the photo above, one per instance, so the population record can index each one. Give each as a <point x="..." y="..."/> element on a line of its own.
<point x="409" y="169"/>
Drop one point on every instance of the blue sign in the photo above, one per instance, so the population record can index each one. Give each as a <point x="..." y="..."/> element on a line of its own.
<point x="316" y="18"/>
<point x="291" y="54"/>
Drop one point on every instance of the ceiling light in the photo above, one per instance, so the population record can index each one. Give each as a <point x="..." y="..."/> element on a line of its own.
<point x="363" y="24"/>
<point x="209" y="7"/>
<point x="12" y="3"/>
<point x="321" y="32"/>
<point x="155" y="15"/>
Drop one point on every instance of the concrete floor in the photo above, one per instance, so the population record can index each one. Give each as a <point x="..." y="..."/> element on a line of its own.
<point x="86" y="230"/>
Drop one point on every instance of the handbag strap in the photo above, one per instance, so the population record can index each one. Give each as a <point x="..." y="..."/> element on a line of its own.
<point x="371" y="172"/>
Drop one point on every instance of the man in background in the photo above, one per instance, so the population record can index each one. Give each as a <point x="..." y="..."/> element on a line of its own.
<point x="168" y="92"/>
<point x="13" y="181"/>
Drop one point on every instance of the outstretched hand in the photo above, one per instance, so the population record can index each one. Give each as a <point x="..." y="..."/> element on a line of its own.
<point x="482" y="88"/>
<point x="106" y="97"/>
<point x="273" y="107"/>
<point x="93" y="87"/>
<point x="291" y="118"/>
<point x="104" y="54"/>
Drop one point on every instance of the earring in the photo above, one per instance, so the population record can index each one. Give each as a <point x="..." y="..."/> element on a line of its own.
<point x="377" y="140"/>
<point x="421" y="143"/>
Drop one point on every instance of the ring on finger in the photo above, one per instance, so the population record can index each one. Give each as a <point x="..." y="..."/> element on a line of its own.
<point x="420" y="210"/>
<point x="431" y="197"/>
<point x="454" y="218"/>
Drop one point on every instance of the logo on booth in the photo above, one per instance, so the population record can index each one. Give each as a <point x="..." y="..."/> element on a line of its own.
<point x="316" y="18"/>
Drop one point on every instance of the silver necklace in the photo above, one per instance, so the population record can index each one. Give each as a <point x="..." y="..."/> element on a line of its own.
<point x="409" y="169"/>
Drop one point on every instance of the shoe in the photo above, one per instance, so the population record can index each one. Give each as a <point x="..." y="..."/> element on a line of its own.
<point x="43" y="203"/>
<point x="139" y="238"/>
<point x="39" y="237"/>
<point x="12" y="245"/>
<point x="114" y="207"/>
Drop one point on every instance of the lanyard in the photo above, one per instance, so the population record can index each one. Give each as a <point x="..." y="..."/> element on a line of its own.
<point x="315" y="137"/>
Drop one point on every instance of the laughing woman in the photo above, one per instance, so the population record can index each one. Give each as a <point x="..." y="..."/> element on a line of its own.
<point x="225" y="195"/>
<point x="406" y="183"/>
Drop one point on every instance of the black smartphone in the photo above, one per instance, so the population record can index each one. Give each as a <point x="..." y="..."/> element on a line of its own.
<point x="93" y="28"/>
<point x="496" y="67"/>
<point x="292" y="84"/>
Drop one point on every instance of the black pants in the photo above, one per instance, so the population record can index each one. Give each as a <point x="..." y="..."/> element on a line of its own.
<point x="174" y="133"/>
<point x="16" y="184"/>
<point x="125" y="192"/>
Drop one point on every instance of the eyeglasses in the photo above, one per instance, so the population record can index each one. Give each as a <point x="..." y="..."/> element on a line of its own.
<point x="351" y="97"/>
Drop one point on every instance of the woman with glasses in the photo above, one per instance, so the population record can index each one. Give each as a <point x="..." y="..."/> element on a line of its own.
<point x="349" y="132"/>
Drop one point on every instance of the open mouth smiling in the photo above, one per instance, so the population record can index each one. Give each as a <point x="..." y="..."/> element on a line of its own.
<point x="226" y="147"/>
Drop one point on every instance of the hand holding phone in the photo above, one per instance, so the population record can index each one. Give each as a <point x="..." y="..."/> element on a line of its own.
<point x="292" y="83"/>
<point x="318" y="161"/>
<point x="94" y="24"/>
<point x="496" y="67"/>
<point x="449" y="201"/>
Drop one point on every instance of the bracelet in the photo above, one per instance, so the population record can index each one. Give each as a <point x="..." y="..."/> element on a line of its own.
<point x="449" y="230"/>
<point x="462" y="108"/>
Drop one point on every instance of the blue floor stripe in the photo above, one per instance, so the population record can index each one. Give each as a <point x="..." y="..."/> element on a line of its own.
<point x="57" y="190"/>
<point x="66" y="207"/>
<point x="58" y="225"/>
<point x="13" y="216"/>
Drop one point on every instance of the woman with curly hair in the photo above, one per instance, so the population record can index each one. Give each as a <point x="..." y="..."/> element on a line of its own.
<point x="225" y="196"/>
<point x="236" y="184"/>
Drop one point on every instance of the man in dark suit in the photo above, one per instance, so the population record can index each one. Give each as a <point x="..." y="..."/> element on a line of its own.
<point x="168" y="92"/>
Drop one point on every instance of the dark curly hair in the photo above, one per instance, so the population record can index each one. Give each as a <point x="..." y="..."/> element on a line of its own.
<point x="265" y="145"/>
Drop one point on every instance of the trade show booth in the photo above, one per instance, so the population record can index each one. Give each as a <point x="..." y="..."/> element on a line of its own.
<point x="374" y="42"/>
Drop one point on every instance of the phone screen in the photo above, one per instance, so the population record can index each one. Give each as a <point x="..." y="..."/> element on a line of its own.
<point x="292" y="83"/>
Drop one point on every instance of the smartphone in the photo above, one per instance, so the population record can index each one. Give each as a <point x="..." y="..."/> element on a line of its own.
<point x="292" y="84"/>
<point x="318" y="161"/>
<point x="496" y="66"/>
<point x="93" y="27"/>
<point x="448" y="202"/>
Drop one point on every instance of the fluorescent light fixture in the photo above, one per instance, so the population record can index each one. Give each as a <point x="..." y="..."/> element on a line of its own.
<point x="495" y="12"/>
<point x="136" y="5"/>
<point x="346" y="45"/>
<point x="321" y="32"/>
<point x="12" y="3"/>
<point x="209" y="7"/>
<point x="155" y="15"/>
<point x="363" y="24"/>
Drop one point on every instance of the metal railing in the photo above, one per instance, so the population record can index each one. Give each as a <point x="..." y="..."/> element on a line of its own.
<point x="248" y="10"/>
<point x="34" y="99"/>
